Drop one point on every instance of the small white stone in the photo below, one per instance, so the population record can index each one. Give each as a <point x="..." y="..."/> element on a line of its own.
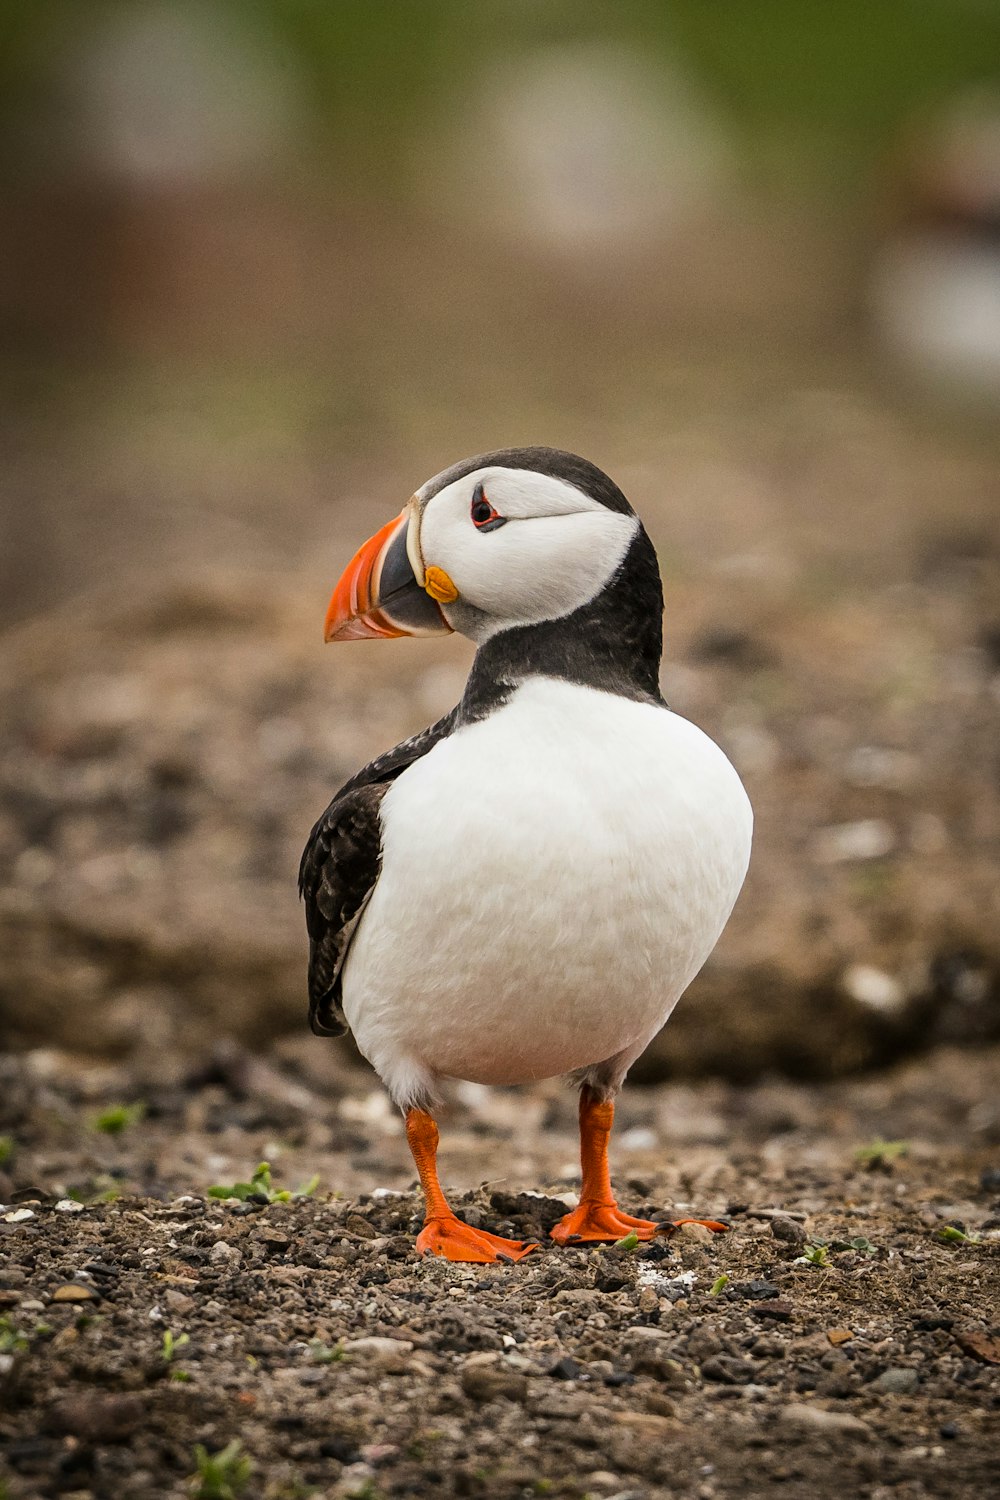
<point x="874" y="988"/>
<point x="68" y="1206"/>
<point x="372" y="1344"/>
<point x="869" y="838"/>
<point x="374" y="1108"/>
<point x="18" y="1215"/>
<point x="878" y="765"/>
<point x="222" y="1253"/>
<point x="818" y="1419"/>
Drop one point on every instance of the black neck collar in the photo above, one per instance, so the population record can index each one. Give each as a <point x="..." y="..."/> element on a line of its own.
<point x="613" y="643"/>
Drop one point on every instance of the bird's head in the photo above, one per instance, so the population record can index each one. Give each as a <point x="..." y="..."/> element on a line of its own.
<point x="502" y="540"/>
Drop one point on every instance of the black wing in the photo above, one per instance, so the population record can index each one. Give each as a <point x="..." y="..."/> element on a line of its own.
<point x="340" y="865"/>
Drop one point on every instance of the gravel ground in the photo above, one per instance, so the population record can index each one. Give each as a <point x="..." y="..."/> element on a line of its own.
<point x="309" y="1331"/>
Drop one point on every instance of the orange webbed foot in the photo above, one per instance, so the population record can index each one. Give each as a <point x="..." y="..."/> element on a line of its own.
<point x="450" y="1238"/>
<point x="592" y="1222"/>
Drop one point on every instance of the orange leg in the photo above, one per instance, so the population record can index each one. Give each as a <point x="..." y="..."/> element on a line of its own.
<point x="443" y="1233"/>
<point x="598" y="1216"/>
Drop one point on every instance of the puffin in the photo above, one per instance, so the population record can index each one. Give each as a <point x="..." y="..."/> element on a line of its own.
<point x="526" y="888"/>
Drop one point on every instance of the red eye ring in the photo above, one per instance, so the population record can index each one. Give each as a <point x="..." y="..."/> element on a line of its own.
<point x="484" y="517"/>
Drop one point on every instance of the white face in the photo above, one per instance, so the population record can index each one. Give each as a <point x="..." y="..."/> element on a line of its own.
<point x="550" y="549"/>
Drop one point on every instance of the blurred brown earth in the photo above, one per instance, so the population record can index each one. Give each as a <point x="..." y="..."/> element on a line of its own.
<point x="830" y="620"/>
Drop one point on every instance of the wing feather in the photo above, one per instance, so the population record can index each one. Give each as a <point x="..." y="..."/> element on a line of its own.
<point x="340" y="867"/>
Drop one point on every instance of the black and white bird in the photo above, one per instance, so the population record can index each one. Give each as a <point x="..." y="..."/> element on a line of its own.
<point x="527" y="887"/>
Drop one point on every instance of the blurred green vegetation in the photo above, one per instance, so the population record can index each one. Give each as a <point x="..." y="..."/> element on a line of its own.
<point x="825" y="85"/>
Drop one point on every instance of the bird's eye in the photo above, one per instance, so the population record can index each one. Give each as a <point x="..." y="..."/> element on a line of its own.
<point x="484" y="517"/>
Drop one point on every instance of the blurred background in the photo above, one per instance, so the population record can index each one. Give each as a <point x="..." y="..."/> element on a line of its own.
<point x="267" y="265"/>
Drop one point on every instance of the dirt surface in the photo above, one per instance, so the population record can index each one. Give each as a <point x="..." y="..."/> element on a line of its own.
<point x="309" y="1330"/>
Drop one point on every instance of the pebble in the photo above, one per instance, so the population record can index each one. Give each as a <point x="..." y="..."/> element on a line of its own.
<point x="378" y="1453"/>
<point x="692" y="1234"/>
<point x="898" y="1380"/>
<point x="485" y="1377"/>
<point x="788" y="1231"/>
<point x="74" y="1291"/>
<point x="356" y="1224"/>
<point x="178" y="1302"/>
<point x="868" y="838"/>
<point x="873" y="988"/>
<point x="646" y="1424"/>
<point x="639" y="1335"/>
<point x="68" y="1206"/>
<point x="818" y="1419"/>
<point x="982" y="1346"/>
<point x="648" y="1301"/>
<point x="384" y="1354"/>
<point x="727" y="1370"/>
<point x="756" y="1291"/>
<point x="222" y="1254"/>
<point x="780" y="1310"/>
<point x="838" y="1336"/>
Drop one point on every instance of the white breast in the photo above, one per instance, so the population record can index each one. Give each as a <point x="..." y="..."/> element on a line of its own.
<point x="553" y="877"/>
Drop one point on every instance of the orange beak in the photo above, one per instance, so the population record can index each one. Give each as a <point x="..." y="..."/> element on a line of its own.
<point x="378" y="594"/>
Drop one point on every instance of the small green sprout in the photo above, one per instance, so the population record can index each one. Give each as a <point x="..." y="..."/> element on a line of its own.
<point x="260" y="1186"/>
<point x="629" y="1241"/>
<point x="171" y="1345"/>
<point x="815" y="1254"/>
<point x="118" y="1117"/>
<point x="99" y="1190"/>
<point x="718" y="1285"/>
<point x="6" y="1149"/>
<point x="881" y="1153"/>
<point x="859" y="1243"/>
<point x="952" y="1235"/>
<point x="223" y="1475"/>
<point x="12" y="1340"/>
<point x="326" y="1354"/>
